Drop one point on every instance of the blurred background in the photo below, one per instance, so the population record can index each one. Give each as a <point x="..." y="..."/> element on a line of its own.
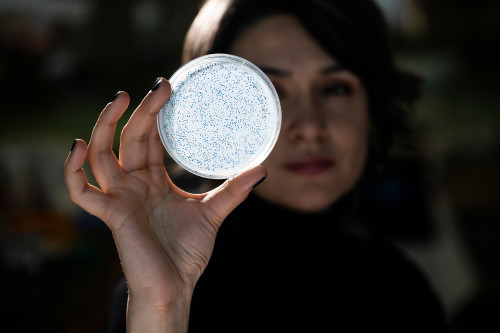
<point x="61" y="61"/>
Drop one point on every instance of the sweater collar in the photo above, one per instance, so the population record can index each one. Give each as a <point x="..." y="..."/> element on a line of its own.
<point x="270" y="236"/>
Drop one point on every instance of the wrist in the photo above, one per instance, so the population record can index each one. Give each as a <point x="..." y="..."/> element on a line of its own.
<point x="146" y="316"/>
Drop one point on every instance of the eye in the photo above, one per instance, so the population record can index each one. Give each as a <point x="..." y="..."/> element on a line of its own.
<point x="336" y="89"/>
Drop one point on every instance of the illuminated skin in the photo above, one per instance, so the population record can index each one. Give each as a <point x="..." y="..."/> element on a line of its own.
<point x="165" y="236"/>
<point x="322" y="147"/>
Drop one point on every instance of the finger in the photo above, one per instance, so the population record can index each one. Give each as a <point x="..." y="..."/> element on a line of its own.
<point x="140" y="143"/>
<point x="156" y="149"/>
<point x="102" y="160"/>
<point x="80" y="191"/>
<point x="224" y="199"/>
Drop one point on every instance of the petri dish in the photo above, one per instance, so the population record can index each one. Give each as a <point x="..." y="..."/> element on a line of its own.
<point x="223" y="116"/>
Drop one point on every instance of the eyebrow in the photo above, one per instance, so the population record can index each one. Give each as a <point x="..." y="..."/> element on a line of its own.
<point x="275" y="71"/>
<point x="283" y="73"/>
<point x="333" y="69"/>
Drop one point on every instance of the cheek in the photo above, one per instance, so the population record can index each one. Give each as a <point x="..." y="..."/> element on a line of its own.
<point x="277" y="177"/>
<point x="351" y="140"/>
<point x="275" y="158"/>
<point x="358" y="138"/>
<point x="359" y="151"/>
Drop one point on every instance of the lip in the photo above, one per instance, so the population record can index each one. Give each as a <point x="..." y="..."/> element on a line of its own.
<point x="309" y="166"/>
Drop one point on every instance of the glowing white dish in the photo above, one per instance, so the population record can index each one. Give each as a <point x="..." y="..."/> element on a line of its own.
<point x="223" y="116"/>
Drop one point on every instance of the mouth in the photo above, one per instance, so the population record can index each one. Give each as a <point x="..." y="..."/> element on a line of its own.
<point x="309" y="166"/>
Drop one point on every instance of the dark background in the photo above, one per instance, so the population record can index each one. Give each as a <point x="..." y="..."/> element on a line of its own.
<point x="62" y="61"/>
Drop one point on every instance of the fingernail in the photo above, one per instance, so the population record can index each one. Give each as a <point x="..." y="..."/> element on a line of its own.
<point x="73" y="146"/>
<point x="260" y="181"/>
<point x="115" y="96"/>
<point x="157" y="84"/>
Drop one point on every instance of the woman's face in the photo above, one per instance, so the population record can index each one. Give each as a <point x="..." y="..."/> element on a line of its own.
<point x="322" y="147"/>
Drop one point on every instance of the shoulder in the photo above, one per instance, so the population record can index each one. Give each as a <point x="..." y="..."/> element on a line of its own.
<point x="393" y="281"/>
<point x="375" y="252"/>
<point x="382" y="261"/>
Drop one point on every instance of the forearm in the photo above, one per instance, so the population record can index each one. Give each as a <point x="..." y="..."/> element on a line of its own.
<point x="171" y="318"/>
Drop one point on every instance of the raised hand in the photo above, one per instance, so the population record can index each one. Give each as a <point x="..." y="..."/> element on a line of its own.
<point x="164" y="235"/>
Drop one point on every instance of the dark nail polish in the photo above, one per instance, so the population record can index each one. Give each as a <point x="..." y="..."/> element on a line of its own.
<point x="73" y="146"/>
<point x="157" y="84"/>
<point x="115" y="96"/>
<point x="260" y="181"/>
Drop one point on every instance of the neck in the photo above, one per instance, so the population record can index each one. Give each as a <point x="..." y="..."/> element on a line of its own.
<point x="270" y="235"/>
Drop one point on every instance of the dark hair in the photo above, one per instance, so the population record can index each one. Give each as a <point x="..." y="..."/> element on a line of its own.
<point x="352" y="32"/>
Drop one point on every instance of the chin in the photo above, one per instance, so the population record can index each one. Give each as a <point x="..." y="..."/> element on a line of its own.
<point x="311" y="197"/>
<point x="311" y="204"/>
<point x="305" y="202"/>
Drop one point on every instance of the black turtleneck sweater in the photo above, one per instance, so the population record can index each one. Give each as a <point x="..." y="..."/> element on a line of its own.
<point x="276" y="270"/>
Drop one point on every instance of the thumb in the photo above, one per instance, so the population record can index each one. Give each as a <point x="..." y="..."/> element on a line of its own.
<point x="224" y="199"/>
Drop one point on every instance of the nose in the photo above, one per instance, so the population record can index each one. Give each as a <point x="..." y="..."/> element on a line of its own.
<point x="306" y="124"/>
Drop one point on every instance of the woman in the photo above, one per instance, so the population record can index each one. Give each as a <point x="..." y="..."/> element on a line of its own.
<point x="282" y="260"/>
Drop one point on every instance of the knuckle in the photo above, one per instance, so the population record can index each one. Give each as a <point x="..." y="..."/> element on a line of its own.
<point x="233" y="189"/>
<point x="71" y="196"/>
<point x="74" y="195"/>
